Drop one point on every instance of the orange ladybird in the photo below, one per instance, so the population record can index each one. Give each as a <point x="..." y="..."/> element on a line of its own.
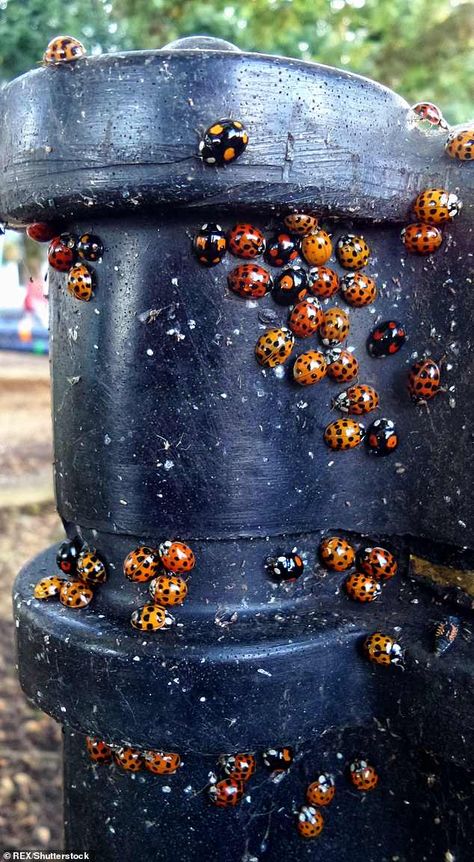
<point x="309" y="368"/>
<point x="63" y="49"/>
<point x="421" y="238"/>
<point x="246" y="241"/>
<point x="342" y="365"/>
<point x="249" y="280"/>
<point x="306" y="317"/>
<point x="227" y="793"/>
<point x="177" y="557"/>
<point x="142" y="564"/>
<point x="80" y="281"/>
<point x="336" y="554"/>
<point x="90" y="568"/>
<point x="274" y="347"/>
<point x="300" y="223"/>
<point x="75" y="594"/>
<point x="357" y="400"/>
<point x="376" y="562"/>
<point x="424" y="380"/>
<point x="435" y="206"/>
<point x="241" y="766"/>
<point x="48" y="588"/>
<point x="352" y="251"/>
<point x="321" y="792"/>
<point x="383" y="649"/>
<point x="363" y="776"/>
<point x="161" y="762"/>
<point x="130" y="759"/>
<point x="323" y="281"/>
<point x="151" y="618"/>
<point x="168" y="590"/>
<point x="335" y="326"/>
<point x="460" y="144"/>
<point x="310" y="822"/>
<point x="361" y="588"/>
<point x="316" y="248"/>
<point x="344" y="434"/>
<point x="358" y="289"/>
<point x="98" y="751"/>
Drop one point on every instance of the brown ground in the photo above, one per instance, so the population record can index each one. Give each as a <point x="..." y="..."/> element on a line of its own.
<point x="30" y="755"/>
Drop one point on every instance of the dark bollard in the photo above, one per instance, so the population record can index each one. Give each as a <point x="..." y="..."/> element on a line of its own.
<point x="165" y="427"/>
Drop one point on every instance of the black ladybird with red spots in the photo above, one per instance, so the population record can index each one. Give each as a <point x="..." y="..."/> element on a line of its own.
<point x="282" y="249"/>
<point x="382" y="437"/>
<point x="386" y="339"/>
<point x="68" y="554"/>
<point x="290" y="285"/>
<point x="223" y="142"/>
<point x="286" y="567"/>
<point x="210" y="244"/>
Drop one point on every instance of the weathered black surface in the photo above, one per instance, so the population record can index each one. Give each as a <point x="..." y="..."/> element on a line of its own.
<point x="169" y="428"/>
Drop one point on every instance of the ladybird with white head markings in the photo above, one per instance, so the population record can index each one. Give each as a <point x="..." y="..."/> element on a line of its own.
<point x="342" y="365"/>
<point x="306" y="317"/>
<point x="62" y="252"/>
<point x="168" y="590"/>
<point x="336" y="553"/>
<point x="310" y="822"/>
<point x="335" y="326"/>
<point x="130" y="759"/>
<point x="436" y="206"/>
<point x="290" y="285"/>
<point x="378" y="563"/>
<point x="286" y="567"/>
<point x="363" y="776"/>
<point x="98" y="750"/>
<point x="223" y="142"/>
<point x="274" y="347"/>
<point x="210" y="244"/>
<point x="161" y="762"/>
<point x="227" y="793"/>
<point x="357" y="400"/>
<point x="278" y="759"/>
<point x="309" y="368"/>
<point x="382" y="437"/>
<point x="322" y="791"/>
<point x="151" y="618"/>
<point x="386" y="339"/>
<point x="361" y="588"/>
<point x="90" y="568"/>
<point x="63" y="49"/>
<point x="75" y="594"/>
<point x="383" y="649"/>
<point x="48" y="588"/>
<point x="424" y="380"/>
<point x="177" y="557"/>
<point x="352" y="251"/>
<point x="240" y="766"/>
<point x="68" y="554"/>
<point x="80" y="282"/>
<point x="358" y="289"/>
<point x="323" y="281"/>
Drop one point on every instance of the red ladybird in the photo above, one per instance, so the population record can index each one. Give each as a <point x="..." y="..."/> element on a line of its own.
<point x="421" y="238"/>
<point x="431" y="113"/>
<point x="357" y="400"/>
<point x="424" y="380"/>
<point x="161" y="762"/>
<point x="358" y="289"/>
<point x="177" y="557"/>
<point x="249" y="280"/>
<point x="98" y="751"/>
<point x="306" y="317"/>
<point x="282" y="249"/>
<point x="227" y="793"/>
<point x="62" y="252"/>
<point x="245" y="240"/>
<point x="240" y="766"/>
<point x="363" y="776"/>
<point x="42" y="231"/>
<point x="323" y="281"/>
<point x="342" y="365"/>
<point x="376" y="562"/>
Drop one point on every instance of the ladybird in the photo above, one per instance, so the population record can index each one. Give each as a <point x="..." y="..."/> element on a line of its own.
<point x="361" y="588"/>
<point x="358" y="289"/>
<point x="241" y="766"/>
<point x="357" y="400"/>
<point x="177" y="557"/>
<point x="382" y="437"/>
<point x="435" y="206"/>
<point x="161" y="762"/>
<point x="300" y="223"/>
<point x="352" y="251"/>
<point x="168" y="590"/>
<point x="342" y="365"/>
<point x="90" y="247"/>
<point x="42" y="231"/>
<point x="227" y="793"/>
<point x="431" y="113"/>
<point x="63" y="49"/>
<point x="98" y="750"/>
<point x="363" y="776"/>
<point x="376" y="562"/>
<point x="336" y="554"/>
<point x="424" y="380"/>
<point x="62" y="252"/>
<point x="48" y="588"/>
<point x="323" y="281"/>
<point x="142" y="564"/>
<point x="274" y="347"/>
<point x="421" y="238"/>
<point x="75" y="594"/>
<point x="310" y="822"/>
<point x="316" y="248"/>
<point x="281" y="249"/>
<point x="223" y="142"/>
<point x="386" y="339"/>
<point x="309" y="368"/>
<point x="286" y="567"/>
<point x="150" y="618"/>
<point x="460" y="144"/>
<point x="306" y="317"/>
<point x="249" y="280"/>
<point x="210" y="244"/>
<point x="335" y="326"/>
<point x="278" y="759"/>
<point x="344" y="434"/>
<point x="90" y="568"/>
<point x="80" y="280"/>
<point x="322" y="791"/>
<point x="246" y="241"/>
<point x="445" y="634"/>
<point x="130" y="759"/>
<point x="67" y="555"/>
<point x="290" y="285"/>
<point x="383" y="649"/>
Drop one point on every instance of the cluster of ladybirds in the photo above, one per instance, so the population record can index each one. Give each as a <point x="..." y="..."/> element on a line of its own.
<point x="320" y="793"/>
<point x="459" y="143"/>
<point x="132" y="759"/>
<point x="238" y="768"/>
<point x="67" y="253"/>
<point x="164" y="568"/>
<point x="85" y="570"/>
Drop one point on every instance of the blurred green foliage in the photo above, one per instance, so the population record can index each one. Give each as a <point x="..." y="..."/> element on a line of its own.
<point x="423" y="49"/>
